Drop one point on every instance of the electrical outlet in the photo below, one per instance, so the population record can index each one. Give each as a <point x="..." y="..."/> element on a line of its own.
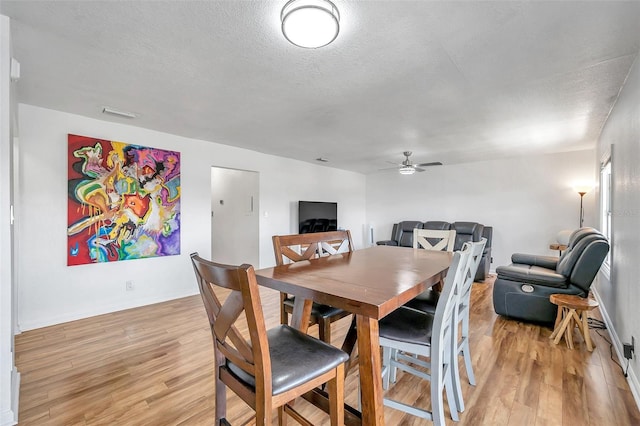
<point x="129" y="285"/>
<point x="629" y="348"/>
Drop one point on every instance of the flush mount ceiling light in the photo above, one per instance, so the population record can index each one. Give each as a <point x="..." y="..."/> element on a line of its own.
<point x="310" y="23"/>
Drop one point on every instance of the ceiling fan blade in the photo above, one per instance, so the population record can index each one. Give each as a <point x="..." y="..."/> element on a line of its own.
<point x="393" y="162"/>
<point x="418" y="169"/>
<point x="435" y="163"/>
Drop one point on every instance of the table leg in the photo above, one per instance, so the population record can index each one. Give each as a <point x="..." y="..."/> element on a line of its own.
<point x="566" y="322"/>
<point x="558" y="318"/>
<point x="370" y="371"/>
<point x="585" y="327"/>
<point x="301" y="314"/>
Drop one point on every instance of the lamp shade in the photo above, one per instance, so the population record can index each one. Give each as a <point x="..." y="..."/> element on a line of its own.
<point x="563" y="237"/>
<point x="310" y="23"/>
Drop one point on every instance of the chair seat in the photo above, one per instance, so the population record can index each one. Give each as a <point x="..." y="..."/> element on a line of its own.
<point x="296" y="358"/>
<point x="425" y="301"/>
<point x="532" y="274"/>
<point x="407" y="325"/>
<point x="317" y="310"/>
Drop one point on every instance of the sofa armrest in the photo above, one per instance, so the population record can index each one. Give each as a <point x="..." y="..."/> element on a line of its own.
<point x="549" y="262"/>
<point x="387" y="243"/>
<point x="528" y="274"/>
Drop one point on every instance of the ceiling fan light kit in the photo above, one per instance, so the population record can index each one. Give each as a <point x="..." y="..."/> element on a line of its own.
<point x="407" y="170"/>
<point x="310" y="23"/>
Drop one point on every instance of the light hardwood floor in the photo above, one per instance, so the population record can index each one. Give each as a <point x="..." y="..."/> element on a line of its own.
<point x="153" y="366"/>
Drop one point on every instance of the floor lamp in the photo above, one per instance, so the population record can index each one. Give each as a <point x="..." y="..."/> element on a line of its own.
<point x="582" y="190"/>
<point x="581" y="208"/>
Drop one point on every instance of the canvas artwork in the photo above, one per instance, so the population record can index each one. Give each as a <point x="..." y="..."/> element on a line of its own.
<point x="124" y="201"/>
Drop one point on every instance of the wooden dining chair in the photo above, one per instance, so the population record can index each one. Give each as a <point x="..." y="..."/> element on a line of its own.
<point x="300" y="247"/>
<point x="272" y="367"/>
<point x="408" y="331"/>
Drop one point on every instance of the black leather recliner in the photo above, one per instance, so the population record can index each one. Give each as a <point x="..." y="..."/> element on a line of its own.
<point x="522" y="289"/>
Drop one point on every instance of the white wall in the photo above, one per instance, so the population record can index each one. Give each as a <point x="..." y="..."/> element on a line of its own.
<point x="9" y="379"/>
<point x="620" y="295"/>
<point x="527" y="200"/>
<point x="50" y="292"/>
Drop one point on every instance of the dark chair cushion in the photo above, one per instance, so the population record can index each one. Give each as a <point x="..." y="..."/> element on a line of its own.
<point x="549" y="262"/>
<point x="425" y="301"/>
<point x="317" y="310"/>
<point x="407" y="325"/>
<point x="387" y="243"/>
<point x="532" y="274"/>
<point x="296" y="358"/>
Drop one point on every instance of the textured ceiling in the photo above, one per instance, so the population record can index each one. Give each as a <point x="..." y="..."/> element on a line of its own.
<point x="451" y="81"/>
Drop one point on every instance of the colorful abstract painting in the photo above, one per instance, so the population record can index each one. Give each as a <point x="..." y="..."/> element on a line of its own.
<point x="124" y="201"/>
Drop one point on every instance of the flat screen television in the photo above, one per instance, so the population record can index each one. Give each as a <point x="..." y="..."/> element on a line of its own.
<point x="317" y="216"/>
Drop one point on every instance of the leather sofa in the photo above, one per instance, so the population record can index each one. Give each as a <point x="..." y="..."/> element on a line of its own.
<point x="402" y="236"/>
<point x="522" y="289"/>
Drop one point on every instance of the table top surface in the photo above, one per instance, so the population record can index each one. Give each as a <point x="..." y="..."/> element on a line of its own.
<point x="573" y="302"/>
<point x="557" y="246"/>
<point x="371" y="282"/>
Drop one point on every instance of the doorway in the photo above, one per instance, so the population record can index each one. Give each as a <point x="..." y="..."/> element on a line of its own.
<point x="234" y="216"/>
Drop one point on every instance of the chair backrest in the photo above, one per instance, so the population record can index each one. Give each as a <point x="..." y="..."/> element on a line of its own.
<point x="475" y="257"/>
<point x="223" y="312"/>
<point x="298" y="247"/>
<point x="445" y="323"/>
<point x="404" y="231"/>
<point x="466" y="232"/>
<point x="583" y="258"/>
<point x="434" y="239"/>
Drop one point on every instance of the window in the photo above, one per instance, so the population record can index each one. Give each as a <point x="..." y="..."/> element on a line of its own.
<point x="606" y="208"/>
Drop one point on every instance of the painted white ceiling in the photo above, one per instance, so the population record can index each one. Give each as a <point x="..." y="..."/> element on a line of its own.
<point x="451" y="81"/>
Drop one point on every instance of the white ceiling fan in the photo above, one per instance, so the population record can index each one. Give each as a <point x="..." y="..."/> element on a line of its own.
<point x="408" y="168"/>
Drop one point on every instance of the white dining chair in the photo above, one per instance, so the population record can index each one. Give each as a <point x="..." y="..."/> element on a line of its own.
<point x="434" y="239"/>
<point x="409" y="331"/>
<point x="461" y="346"/>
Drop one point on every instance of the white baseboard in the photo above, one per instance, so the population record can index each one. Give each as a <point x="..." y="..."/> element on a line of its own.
<point x="100" y="310"/>
<point x="9" y="416"/>
<point x="632" y="378"/>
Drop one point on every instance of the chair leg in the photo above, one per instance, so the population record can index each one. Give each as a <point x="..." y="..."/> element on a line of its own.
<point x="282" y="416"/>
<point x="451" y="394"/>
<point x="324" y="330"/>
<point x="336" y="397"/>
<point x="393" y="370"/>
<point x="386" y="366"/>
<point x="221" y="391"/>
<point x="466" y="351"/>
<point x="455" y="378"/>
<point x="284" y="316"/>
<point x="437" y="400"/>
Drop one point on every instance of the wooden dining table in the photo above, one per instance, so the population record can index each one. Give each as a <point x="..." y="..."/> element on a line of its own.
<point x="370" y="283"/>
